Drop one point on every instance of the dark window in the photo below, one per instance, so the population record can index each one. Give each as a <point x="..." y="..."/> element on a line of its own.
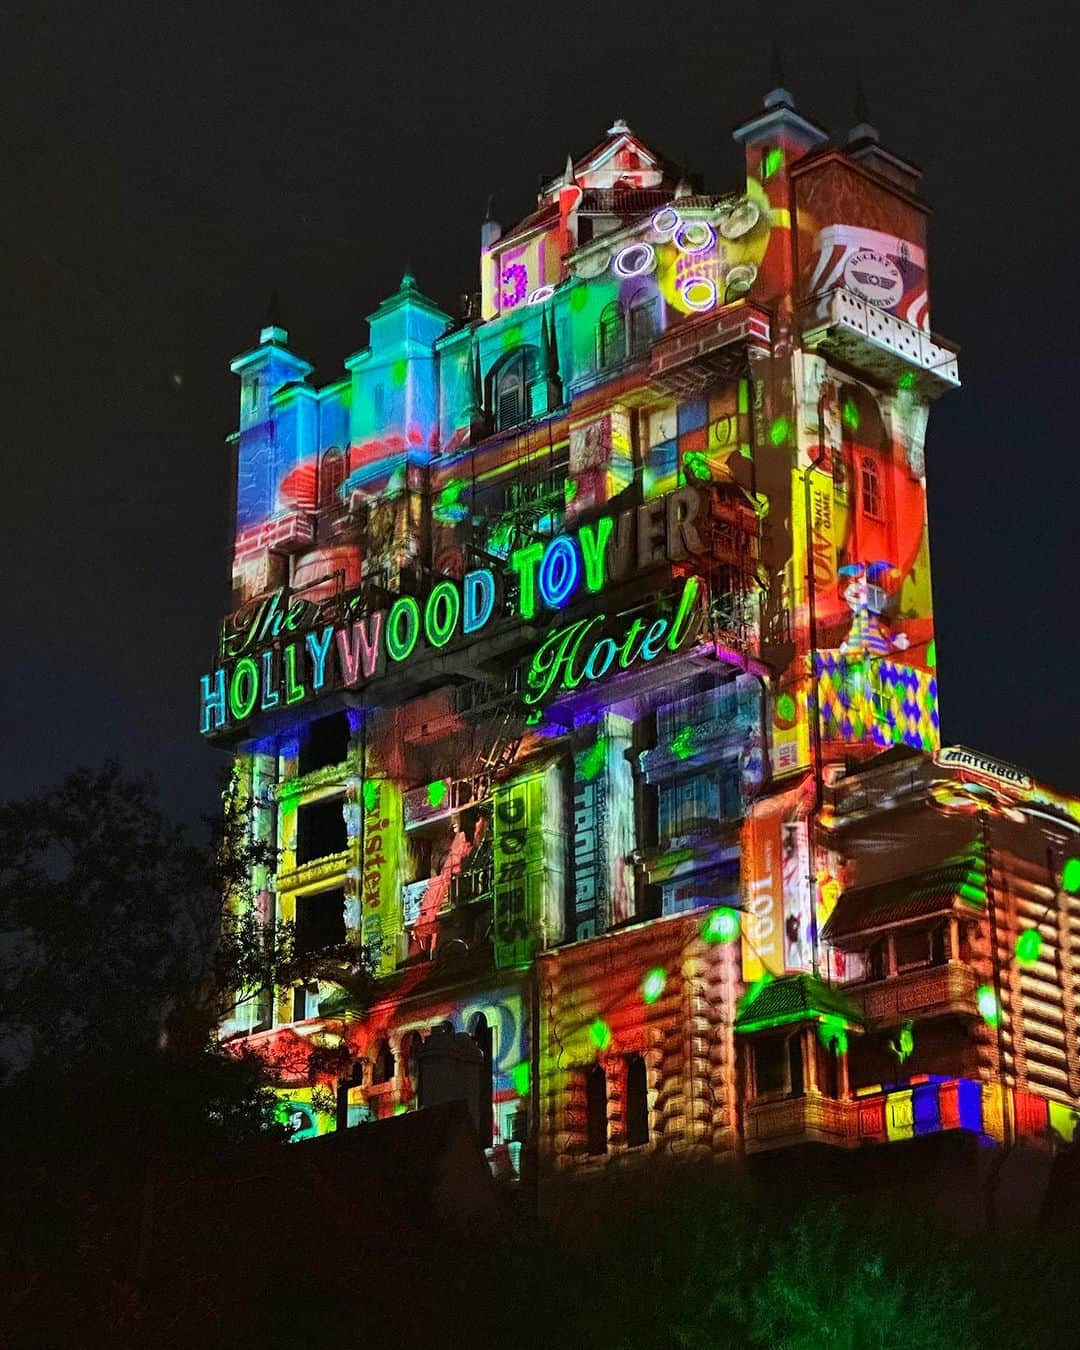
<point x="326" y="743"/>
<point x="481" y="1034"/>
<point x="320" y="920"/>
<point x="642" y="317"/>
<point x="828" y="1069"/>
<point x="778" y="1065"/>
<point x="637" y="1102"/>
<point x="912" y="948"/>
<point x="331" y="477"/>
<point x="509" y="388"/>
<point x="769" y="1065"/>
<point x="795" y="1069"/>
<point x="320" y="830"/>
<point x="299" y="1003"/>
<point x="875" y="961"/>
<point x="611" y="336"/>
<point x="939" y="945"/>
<point x="382" y="1071"/>
<point x="596" y="1112"/>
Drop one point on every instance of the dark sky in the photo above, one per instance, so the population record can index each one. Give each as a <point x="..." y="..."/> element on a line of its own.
<point x="166" y="167"/>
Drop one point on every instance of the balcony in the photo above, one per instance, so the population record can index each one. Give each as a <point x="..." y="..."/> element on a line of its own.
<point x="932" y="991"/>
<point x="860" y="335"/>
<point x="441" y="799"/>
<point x="692" y="356"/>
<point x="812" y="1119"/>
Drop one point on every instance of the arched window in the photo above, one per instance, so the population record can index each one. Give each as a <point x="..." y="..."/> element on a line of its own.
<point x="382" y="1070"/>
<point x="641" y="317"/>
<point x="637" y="1102"/>
<point x="331" y="477"/>
<point x="508" y="386"/>
<point x="596" y="1112"/>
<point x="481" y="1034"/>
<point x="870" y="486"/>
<point x="611" y="336"/>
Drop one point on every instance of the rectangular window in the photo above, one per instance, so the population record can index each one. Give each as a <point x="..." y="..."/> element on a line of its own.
<point x="320" y="831"/>
<point x="871" y="487"/>
<point x="693" y="804"/>
<point x="299" y="1003"/>
<point x="912" y="948"/>
<point x="320" y="921"/>
<point x="326" y="743"/>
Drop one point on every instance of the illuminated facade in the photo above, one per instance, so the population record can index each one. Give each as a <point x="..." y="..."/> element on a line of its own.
<point x="581" y="666"/>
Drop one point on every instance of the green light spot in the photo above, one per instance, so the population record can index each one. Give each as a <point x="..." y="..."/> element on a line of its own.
<point x="570" y="490"/>
<point x="722" y="925"/>
<point x="593" y="760"/>
<point x="832" y="1033"/>
<point x="520" y="1077"/>
<point x="398" y="373"/>
<point x="989" y="1008"/>
<point x="534" y="718"/>
<point x="436" y="793"/>
<point x="652" y="986"/>
<point x="1028" y="946"/>
<point x="931" y="654"/>
<point x="449" y="508"/>
<point x="850" y="415"/>
<point x="907" y="380"/>
<point x="696" y="465"/>
<point x="773" y="161"/>
<point x="780" y="431"/>
<point x="904" y="1044"/>
<point x="682" y="745"/>
<point x="1070" y="876"/>
<point x="579" y="298"/>
<point x="512" y="337"/>
<point x="785" y="708"/>
<point x="600" y="1033"/>
<point x="371" y="794"/>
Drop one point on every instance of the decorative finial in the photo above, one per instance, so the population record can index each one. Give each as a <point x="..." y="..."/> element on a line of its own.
<point x="778" y="96"/>
<point x="619" y="128"/>
<point x="568" y="172"/>
<point x="864" y="129"/>
<point x="489" y="212"/>
<point x="273" y="312"/>
<point x="408" y="281"/>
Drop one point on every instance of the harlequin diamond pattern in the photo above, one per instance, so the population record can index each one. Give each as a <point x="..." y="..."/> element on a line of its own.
<point x="882" y="701"/>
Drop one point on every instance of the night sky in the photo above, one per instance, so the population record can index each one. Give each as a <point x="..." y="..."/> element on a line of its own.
<point x="166" y="167"/>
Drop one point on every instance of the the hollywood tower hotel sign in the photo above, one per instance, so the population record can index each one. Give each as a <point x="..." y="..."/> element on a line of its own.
<point x="276" y="651"/>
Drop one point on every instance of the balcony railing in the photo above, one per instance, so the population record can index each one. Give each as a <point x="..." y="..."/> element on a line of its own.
<point x="800" y="1120"/>
<point x="843" y="326"/>
<point x="930" y="991"/>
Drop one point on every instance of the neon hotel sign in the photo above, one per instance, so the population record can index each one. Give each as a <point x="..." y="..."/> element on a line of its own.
<point x="276" y="656"/>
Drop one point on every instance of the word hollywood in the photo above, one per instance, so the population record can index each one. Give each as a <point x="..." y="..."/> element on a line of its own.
<point x="275" y="654"/>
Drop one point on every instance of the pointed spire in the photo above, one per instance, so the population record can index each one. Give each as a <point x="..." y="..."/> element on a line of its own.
<point x="408" y="281"/>
<point x="547" y="373"/>
<point x="778" y="95"/>
<point x="272" y="330"/>
<point x="474" y="396"/>
<point x="568" y="173"/>
<point x="776" y="66"/>
<point x="490" y="229"/>
<point x="864" y="129"/>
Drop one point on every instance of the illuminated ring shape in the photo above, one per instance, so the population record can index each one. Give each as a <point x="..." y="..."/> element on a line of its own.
<point x="541" y="294"/>
<point x="704" y="299"/>
<point x="681" y="237"/>
<point x="667" y="220"/>
<point x="626" y="264"/>
<point x="560" y="572"/>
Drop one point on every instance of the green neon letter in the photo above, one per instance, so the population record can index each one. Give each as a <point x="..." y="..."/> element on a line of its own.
<point x="243" y="688"/>
<point x="594" y="541"/>
<point x="402" y="628"/>
<point x="684" y="615"/>
<point x="441" y="613"/>
<point x="294" y="690"/>
<point x="524" y="561"/>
